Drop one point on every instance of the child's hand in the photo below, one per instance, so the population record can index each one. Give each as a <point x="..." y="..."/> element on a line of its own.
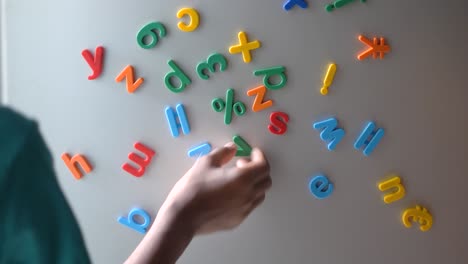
<point x="209" y="198"/>
<point x="212" y="197"/>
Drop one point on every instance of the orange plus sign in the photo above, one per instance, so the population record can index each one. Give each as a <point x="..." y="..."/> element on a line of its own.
<point x="245" y="47"/>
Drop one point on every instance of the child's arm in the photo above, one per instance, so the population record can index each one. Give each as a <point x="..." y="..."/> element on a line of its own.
<point x="208" y="198"/>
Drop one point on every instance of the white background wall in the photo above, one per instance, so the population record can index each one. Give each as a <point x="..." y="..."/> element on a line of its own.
<point x="417" y="93"/>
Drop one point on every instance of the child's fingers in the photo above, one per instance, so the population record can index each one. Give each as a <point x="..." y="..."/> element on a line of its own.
<point x="258" y="157"/>
<point x="221" y="156"/>
<point x="255" y="170"/>
<point x="263" y="185"/>
<point x="259" y="200"/>
<point x="241" y="163"/>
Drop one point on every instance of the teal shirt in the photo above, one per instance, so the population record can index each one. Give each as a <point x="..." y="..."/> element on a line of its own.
<point x="36" y="223"/>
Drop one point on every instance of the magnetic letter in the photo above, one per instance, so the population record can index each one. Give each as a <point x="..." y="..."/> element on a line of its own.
<point x="194" y="19"/>
<point x="320" y="187"/>
<point x="279" y="123"/>
<point x="128" y="73"/>
<point x="72" y="164"/>
<point x="150" y="31"/>
<point x="258" y="104"/>
<point x="270" y="72"/>
<point x="177" y="120"/>
<point x="142" y="162"/>
<point x="209" y="65"/>
<point x="129" y="221"/>
<point x="330" y="132"/>
<point x="395" y="184"/>
<point x="179" y="74"/>
<point x="94" y="62"/>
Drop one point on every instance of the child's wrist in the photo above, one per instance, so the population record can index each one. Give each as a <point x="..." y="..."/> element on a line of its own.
<point x="180" y="216"/>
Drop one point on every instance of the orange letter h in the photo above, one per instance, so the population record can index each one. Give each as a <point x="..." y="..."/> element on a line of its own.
<point x="72" y="163"/>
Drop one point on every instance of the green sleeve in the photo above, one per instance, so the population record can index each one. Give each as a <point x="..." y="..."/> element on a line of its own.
<point x="37" y="225"/>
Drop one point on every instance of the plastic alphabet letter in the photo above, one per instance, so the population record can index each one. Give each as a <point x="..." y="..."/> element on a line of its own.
<point x="375" y="48"/>
<point x="130" y="221"/>
<point x="150" y="31"/>
<point x="179" y="74"/>
<point x="142" y="162"/>
<point x="339" y="4"/>
<point x="279" y="123"/>
<point x="320" y="187"/>
<point x="270" y="72"/>
<point x="327" y="82"/>
<point x="258" y="104"/>
<point x="392" y="183"/>
<point x="199" y="150"/>
<point x="330" y="132"/>
<point x="128" y="73"/>
<point x="230" y="106"/>
<point x="95" y="62"/>
<point x="417" y="214"/>
<point x="244" y="47"/>
<point x="289" y="4"/>
<point x="72" y="164"/>
<point x="243" y="148"/>
<point x="182" y="122"/>
<point x="194" y="19"/>
<point x="369" y="138"/>
<point x="213" y="60"/>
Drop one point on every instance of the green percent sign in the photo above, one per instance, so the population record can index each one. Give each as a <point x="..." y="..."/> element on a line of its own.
<point x="229" y="106"/>
<point x="339" y="4"/>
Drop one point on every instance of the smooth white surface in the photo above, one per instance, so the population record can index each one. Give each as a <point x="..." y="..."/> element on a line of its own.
<point x="417" y="93"/>
<point x="2" y="52"/>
